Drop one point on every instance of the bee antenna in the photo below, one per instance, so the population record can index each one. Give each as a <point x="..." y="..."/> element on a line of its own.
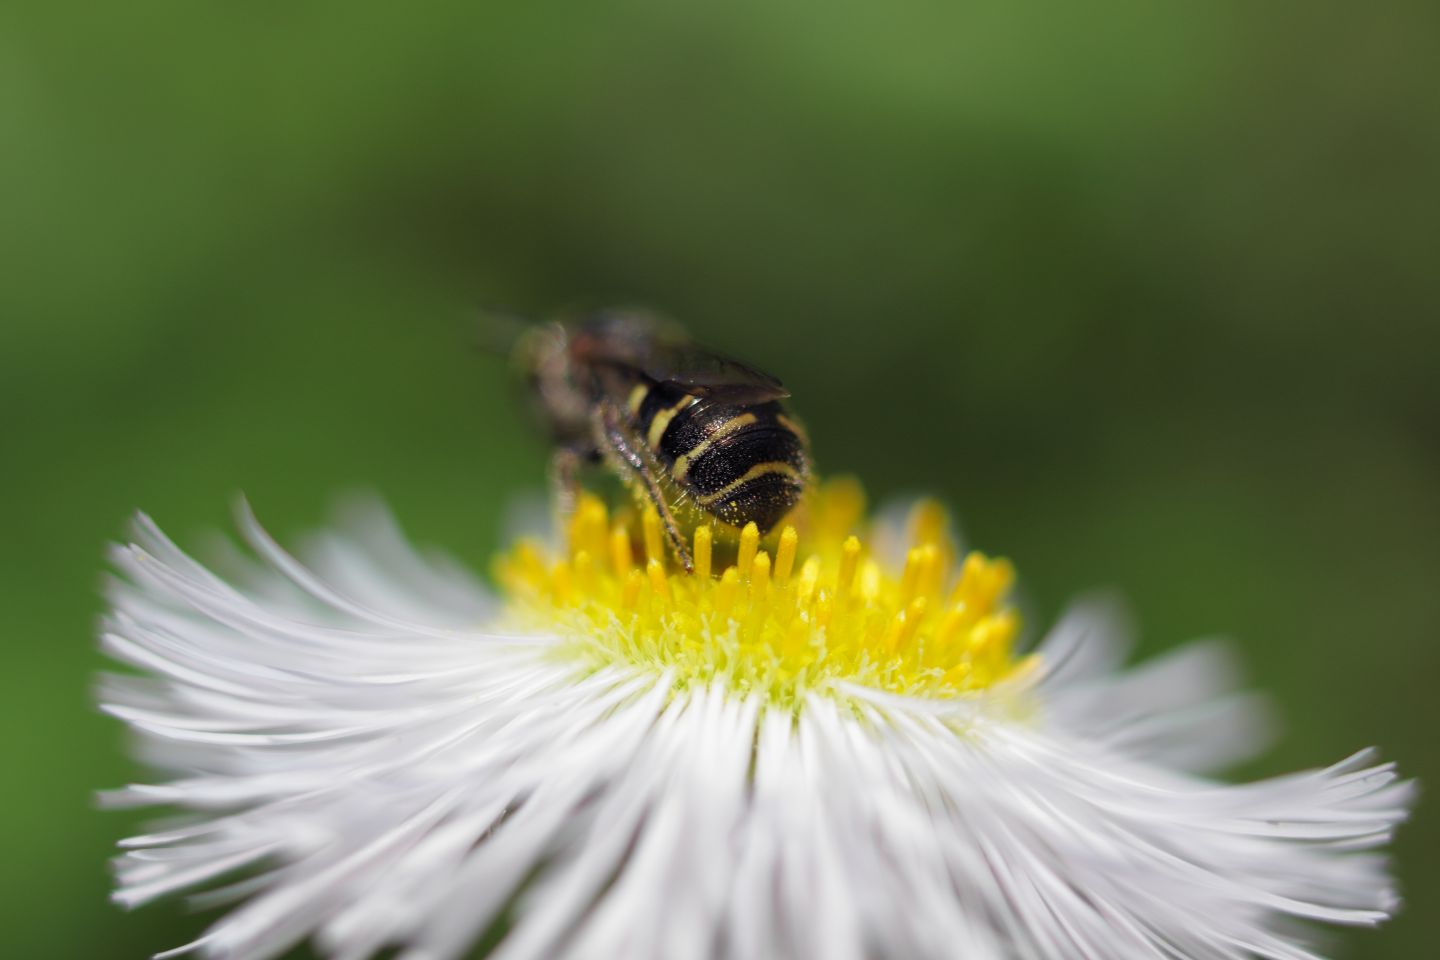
<point x="497" y="331"/>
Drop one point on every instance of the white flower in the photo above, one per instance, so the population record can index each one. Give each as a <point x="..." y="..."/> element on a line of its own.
<point x="828" y="760"/>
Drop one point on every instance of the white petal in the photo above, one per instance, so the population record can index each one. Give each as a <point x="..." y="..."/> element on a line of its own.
<point x="380" y="771"/>
<point x="1181" y="710"/>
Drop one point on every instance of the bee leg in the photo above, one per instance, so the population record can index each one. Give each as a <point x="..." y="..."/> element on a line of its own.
<point x="565" y="482"/>
<point x="614" y="436"/>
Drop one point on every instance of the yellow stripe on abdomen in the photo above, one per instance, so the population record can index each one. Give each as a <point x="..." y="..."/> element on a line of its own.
<point x="662" y="420"/>
<point x="754" y="473"/>
<point x="682" y="462"/>
<point x="637" y="398"/>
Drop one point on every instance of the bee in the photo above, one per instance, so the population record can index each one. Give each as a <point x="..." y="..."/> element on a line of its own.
<point x="702" y="437"/>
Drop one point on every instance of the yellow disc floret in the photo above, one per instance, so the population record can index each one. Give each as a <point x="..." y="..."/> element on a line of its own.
<point x="759" y="618"/>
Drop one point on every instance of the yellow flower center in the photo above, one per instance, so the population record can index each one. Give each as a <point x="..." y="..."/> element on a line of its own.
<point x="804" y="611"/>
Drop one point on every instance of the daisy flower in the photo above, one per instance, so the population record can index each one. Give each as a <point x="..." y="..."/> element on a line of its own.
<point x="826" y="744"/>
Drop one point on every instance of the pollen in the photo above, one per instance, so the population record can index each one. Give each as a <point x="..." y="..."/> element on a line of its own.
<point x="809" y="608"/>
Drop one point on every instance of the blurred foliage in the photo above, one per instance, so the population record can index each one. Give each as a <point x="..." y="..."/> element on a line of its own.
<point x="1148" y="292"/>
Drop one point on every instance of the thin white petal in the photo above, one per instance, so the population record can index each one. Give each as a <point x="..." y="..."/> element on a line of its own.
<point x="393" y="774"/>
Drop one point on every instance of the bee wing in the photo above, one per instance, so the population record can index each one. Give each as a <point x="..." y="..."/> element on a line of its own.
<point x="707" y="374"/>
<point x="647" y="345"/>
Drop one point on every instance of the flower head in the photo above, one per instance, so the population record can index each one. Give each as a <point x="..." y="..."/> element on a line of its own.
<point x="826" y="744"/>
<point x="783" y="627"/>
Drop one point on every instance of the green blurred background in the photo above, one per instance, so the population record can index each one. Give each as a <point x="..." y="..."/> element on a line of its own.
<point x="1148" y="292"/>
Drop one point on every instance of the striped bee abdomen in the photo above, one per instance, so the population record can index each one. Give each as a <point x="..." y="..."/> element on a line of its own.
<point x="738" y="462"/>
